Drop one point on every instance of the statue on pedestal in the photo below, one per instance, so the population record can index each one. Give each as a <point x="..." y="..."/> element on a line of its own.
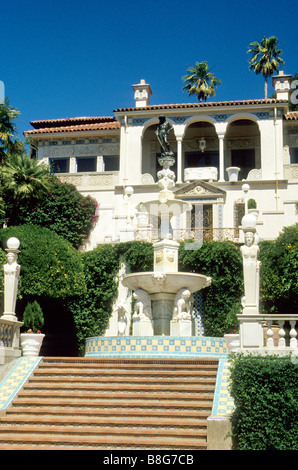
<point x="162" y="131"/>
<point x="251" y="269"/>
<point x="11" y="279"/>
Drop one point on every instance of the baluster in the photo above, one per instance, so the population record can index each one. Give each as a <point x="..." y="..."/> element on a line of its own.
<point x="269" y="334"/>
<point x="293" y="335"/>
<point x="281" y="334"/>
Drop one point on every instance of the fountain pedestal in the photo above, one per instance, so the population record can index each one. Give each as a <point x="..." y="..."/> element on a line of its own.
<point x="142" y="326"/>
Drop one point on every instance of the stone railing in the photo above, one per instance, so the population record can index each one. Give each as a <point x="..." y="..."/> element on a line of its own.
<point x="10" y="333"/>
<point x="150" y="233"/>
<point x="281" y="332"/>
<point x="10" y="349"/>
<point x="90" y="181"/>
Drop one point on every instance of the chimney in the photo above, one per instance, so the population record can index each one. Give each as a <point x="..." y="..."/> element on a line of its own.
<point x="282" y="85"/>
<point x="2" y="93"/>
<point x="142" y="94"/>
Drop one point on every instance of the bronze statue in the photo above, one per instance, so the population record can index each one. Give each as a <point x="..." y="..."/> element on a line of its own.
<point x="162" y="131"/>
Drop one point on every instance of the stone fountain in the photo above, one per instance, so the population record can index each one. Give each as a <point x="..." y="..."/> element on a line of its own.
<point x="164" y="300"/>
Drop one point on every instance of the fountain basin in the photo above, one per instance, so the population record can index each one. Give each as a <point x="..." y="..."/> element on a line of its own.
<point x="162" y="289"/>
<point x="168" y="283"/>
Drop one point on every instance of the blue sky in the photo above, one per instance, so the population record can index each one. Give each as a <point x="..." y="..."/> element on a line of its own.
<point x="71" y="58"/>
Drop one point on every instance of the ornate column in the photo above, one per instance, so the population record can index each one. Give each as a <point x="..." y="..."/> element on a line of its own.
<point x="220" y="128"/>
<point x="221" y="158"/>
<point x="179" y="160"/>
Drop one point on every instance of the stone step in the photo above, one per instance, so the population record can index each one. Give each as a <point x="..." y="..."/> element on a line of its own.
<point x="82" y="362"/>
<point x="39" y="379"/>
<point x="98" y="442"/>
<point x="38" y="412"/>
<point x="89" y="430"/>
<point x="114" y="387"/>
<point x="79" y="403"/>
<point x="94" y="401"/>
<point x="105" y="396"/>
<point x="87" y="420"/>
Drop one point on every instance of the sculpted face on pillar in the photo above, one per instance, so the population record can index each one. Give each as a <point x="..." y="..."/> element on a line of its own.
<point x="249" y="238"/>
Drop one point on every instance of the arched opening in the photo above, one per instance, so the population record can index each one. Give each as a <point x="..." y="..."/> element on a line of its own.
<point x="151" y="151"/>
<point x="242" y="146"/>
<point x="201" y="148"/>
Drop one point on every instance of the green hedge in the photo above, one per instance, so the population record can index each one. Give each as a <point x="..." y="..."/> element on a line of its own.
<point x="50" y="266"/>
<point x="223" y="262"/>
<point x="279" y="273"/>
<point x="92" y="311"/>
<point x="265" y="392"/>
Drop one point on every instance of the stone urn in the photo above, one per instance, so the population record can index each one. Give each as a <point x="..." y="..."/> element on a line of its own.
<point x="31" y="343"/>
<point x="233" y="172"/>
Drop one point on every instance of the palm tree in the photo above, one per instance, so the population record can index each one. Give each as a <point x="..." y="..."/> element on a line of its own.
<point x="265" y="58"/>
<point x="200" y="81"/>
<point x="22" y="178"/>
<point x="7" y="130"/>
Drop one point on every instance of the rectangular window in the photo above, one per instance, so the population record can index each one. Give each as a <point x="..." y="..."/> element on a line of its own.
<point x="201" y="159"/>
<point x="59" y="165"/>
<point x="86" y="164"/>
<point x="293" y="155"/>
<point x="111" y="163"/>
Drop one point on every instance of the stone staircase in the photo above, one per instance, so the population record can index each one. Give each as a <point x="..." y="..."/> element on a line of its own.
<point x="95" y="404"/>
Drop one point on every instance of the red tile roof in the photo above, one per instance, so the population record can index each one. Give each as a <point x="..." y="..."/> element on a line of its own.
<point x="211" y="104"/>
<point x="291" y="116"/>
<point x="52" y="126"/>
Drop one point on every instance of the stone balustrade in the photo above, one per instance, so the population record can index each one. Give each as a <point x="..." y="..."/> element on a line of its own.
<point x="285" y="338"/>
<point x="9" y="345"/>
<point x="10" y="333"/>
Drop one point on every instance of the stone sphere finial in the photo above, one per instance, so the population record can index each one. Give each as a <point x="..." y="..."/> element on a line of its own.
<point x="249" y="223"/>
<point x="13" y="244"/>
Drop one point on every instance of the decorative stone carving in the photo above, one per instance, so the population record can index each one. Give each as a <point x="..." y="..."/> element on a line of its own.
<point x="147" y="178"/>
<point x="201" y="173"/>
<point x="143" y="304"/>
<point x="122" y="320"/>
<point x="183" y="305"/>
<point x="254" y="175"/>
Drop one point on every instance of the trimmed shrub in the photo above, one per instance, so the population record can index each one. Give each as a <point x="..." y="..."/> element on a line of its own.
<point x="265" y="392"/>
<point x="33" y="317"/>
<point x="50" y="266"/>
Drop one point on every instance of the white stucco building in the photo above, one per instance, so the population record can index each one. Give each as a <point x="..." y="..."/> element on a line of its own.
<point x="114" y="159"/>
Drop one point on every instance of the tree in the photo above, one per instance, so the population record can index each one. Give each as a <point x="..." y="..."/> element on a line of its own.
<point x="265" y="58"/>
<point x="22" y="178"/>
<point x="8" y="130"/>
<point x="200" y="81"/>
<point x="62" y="209"/>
